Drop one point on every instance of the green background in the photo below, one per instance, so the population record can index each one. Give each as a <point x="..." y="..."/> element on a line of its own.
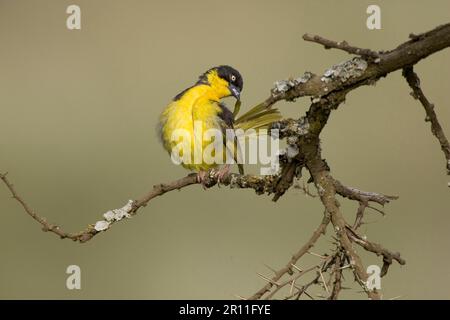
<point x="77" y="116"/>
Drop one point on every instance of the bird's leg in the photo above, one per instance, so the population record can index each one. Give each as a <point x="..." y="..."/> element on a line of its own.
<point x="222" y="172"/>
<point x="201" y="177"/>
<point x="218" y="174"/>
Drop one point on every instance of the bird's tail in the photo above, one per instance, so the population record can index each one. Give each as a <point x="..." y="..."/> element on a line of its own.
<point x="259" y="117"/>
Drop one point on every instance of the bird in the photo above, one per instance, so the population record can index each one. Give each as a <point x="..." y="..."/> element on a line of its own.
<point x="201" y="103"/>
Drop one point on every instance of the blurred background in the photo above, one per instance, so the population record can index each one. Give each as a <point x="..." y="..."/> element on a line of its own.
<point x="78" y="111"/>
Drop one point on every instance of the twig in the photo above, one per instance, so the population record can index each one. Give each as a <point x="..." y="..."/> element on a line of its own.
<point x="355" y="73"/>
<point x="378" y="249"/>
<point x="359" y="195"/>
<point x="325" y="185"/>
<point x="414" y="82"/>
<point x="259" y="184"/>
<point x="337" y="278"/>
<point x="343" y="45"/>
<point x="291" y="280"/>
<point x="303" y="250"/>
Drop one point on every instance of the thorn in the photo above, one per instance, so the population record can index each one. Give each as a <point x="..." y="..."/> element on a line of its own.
<point x="316" y="254"/>
<point x="267" y="279"/>
<point x="295" y="267"/>
<point x="324" y="282"/>
<point x="240" y="297"/>
<point x="330" y="241"/>
<point x="270" y="268"/>
<point x="291" y="290"/>
<point x="308" y="295"/>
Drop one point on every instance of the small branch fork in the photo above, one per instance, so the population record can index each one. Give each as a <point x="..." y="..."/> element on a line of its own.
<point x="327" y="92"/>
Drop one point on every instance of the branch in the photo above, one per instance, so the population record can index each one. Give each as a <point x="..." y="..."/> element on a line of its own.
<point x="414" y="82"/>
<point x="259" y="184"/>
<point x="378" y="249"/>
<point x="327" y="93"/>
<point x="357" y="71"/>
<point x="337" y="284"/>
<point x="364" y="196"/>
<point x="343" y="45"/>
<point x="325" y="186"/>
<point x="288" y="268"/>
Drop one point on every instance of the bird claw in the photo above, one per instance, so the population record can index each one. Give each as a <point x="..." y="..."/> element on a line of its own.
<point x="201" y="178"/>
<point x="221" y="173"/>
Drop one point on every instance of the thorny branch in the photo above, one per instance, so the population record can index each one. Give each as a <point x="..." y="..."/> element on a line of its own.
<point x="290" y="265"/>
<point x="327" y="92"/>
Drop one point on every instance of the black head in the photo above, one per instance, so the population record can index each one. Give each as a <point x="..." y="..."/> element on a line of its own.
<point x="229" y="74"/>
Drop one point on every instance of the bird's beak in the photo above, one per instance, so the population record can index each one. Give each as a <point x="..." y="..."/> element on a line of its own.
<point x="235" y="92"/>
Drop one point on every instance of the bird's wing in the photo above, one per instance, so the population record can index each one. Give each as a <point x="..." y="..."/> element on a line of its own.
<point x="227" y="122"/>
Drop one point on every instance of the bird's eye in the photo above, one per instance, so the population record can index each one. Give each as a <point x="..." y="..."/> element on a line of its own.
<point x="233" y="78"/>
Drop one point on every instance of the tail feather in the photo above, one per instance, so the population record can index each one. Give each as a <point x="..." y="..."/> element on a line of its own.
<point x="258" y="108"/>
<point x="257" y="118"/>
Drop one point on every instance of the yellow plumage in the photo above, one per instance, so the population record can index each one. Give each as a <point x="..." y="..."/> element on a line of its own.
<point x="200" y="104"/>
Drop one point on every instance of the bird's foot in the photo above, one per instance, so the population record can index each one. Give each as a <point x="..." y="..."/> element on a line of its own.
<point x="202" y="177"/>
<point x="222" y="172"/>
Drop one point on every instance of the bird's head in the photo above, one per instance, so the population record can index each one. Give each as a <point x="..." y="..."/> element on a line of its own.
<point x="225" y="80"/>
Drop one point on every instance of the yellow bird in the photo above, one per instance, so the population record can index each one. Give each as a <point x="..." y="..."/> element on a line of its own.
<point x="200" y="104"/>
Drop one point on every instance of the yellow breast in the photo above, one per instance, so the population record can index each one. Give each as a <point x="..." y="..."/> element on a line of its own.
<point x="197" y="109"/>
